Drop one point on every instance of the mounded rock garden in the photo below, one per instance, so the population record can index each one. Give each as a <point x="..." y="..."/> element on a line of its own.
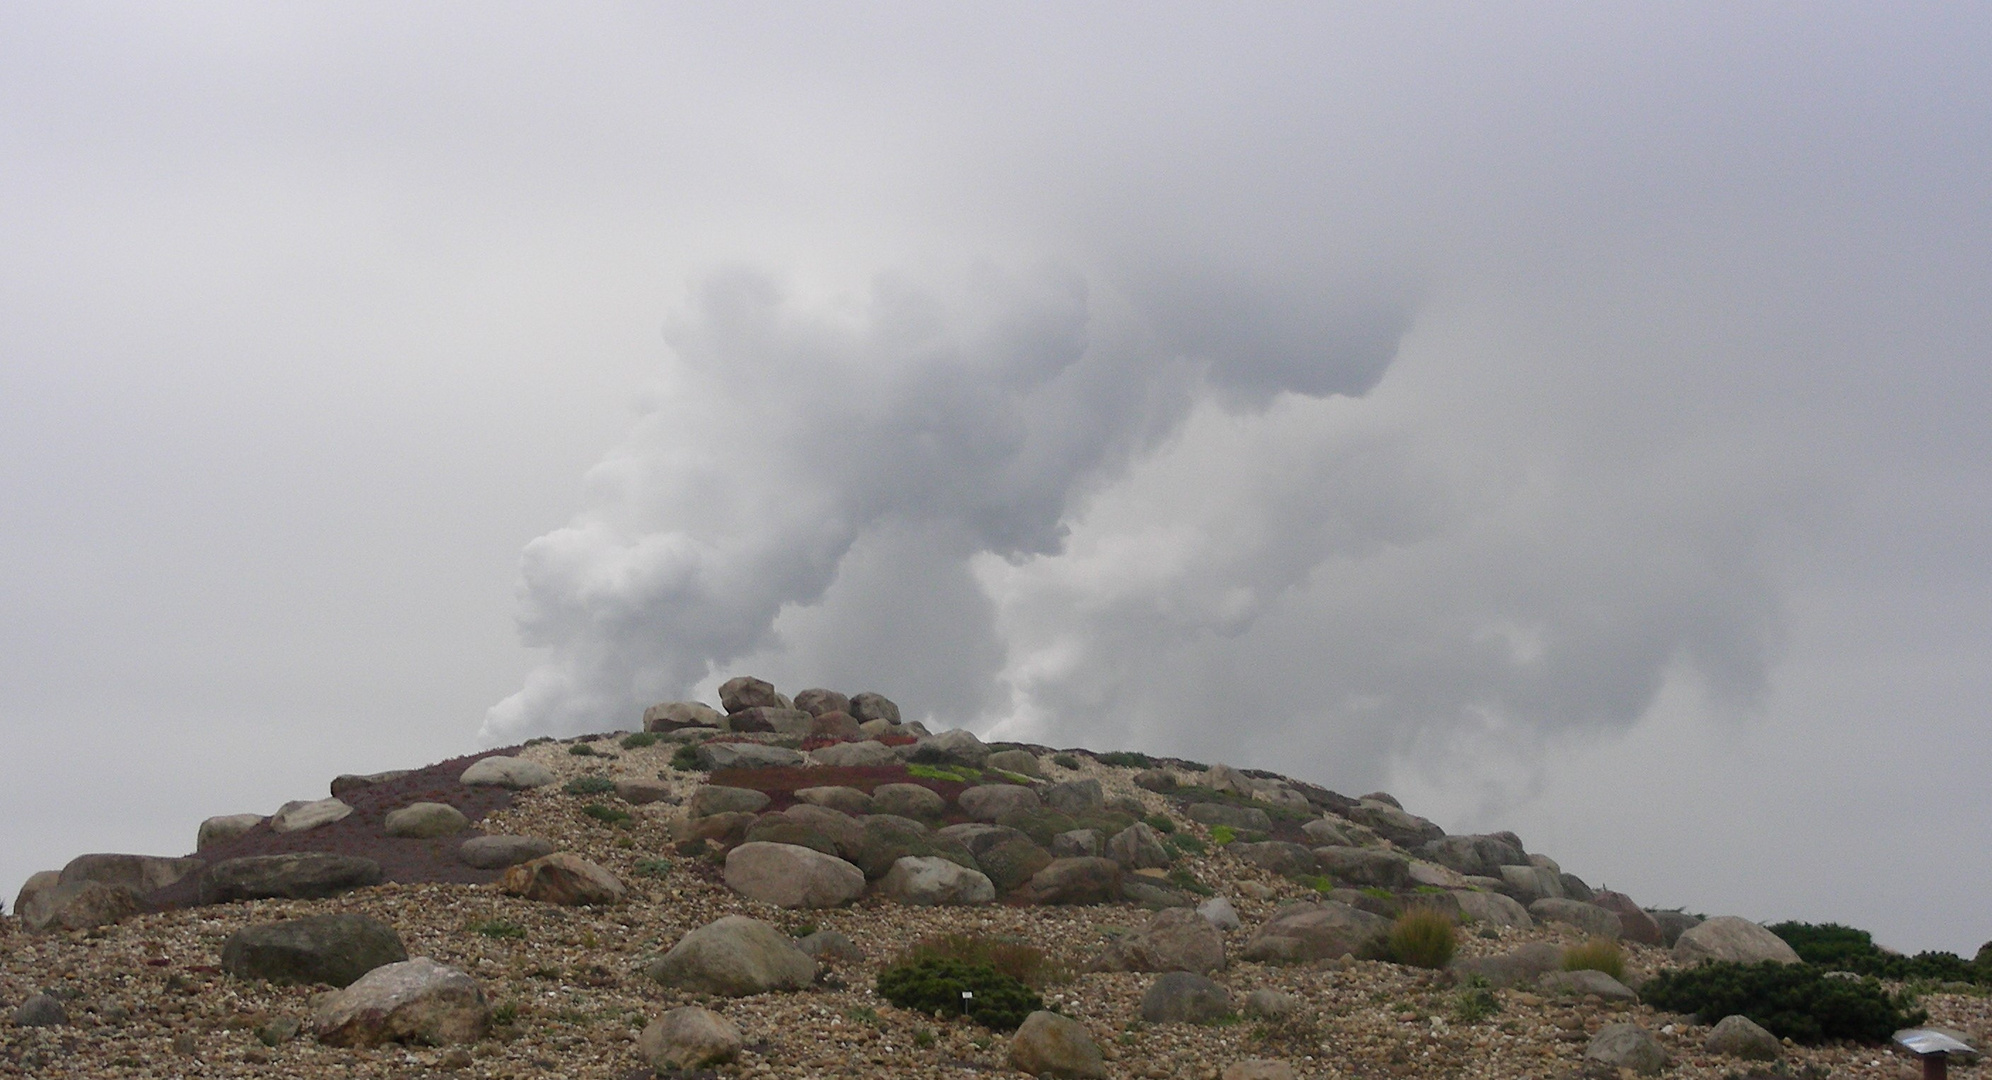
<point x="812" y="886"/>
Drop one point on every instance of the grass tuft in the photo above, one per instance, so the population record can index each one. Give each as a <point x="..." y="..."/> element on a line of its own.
<point x="1597" y="954"/>
<point x="1423" y="938"/>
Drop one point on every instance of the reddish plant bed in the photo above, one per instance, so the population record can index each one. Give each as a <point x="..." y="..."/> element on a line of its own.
<point x="362" y="832"/>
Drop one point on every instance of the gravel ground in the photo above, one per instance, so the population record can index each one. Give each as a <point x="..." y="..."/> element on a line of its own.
<point x="146" y="998"/>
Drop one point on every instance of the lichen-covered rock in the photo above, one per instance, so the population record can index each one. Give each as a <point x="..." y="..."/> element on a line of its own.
<point x="417" y="1001"/>
<point x="1393" y="824"/>
<point x="733" y="957"/>
<point x="304" y="875"/>
<point x="1727" y="937"/>
<point x="792" y="876"/>
<point x="425" y="820"/>
<point x="844" y="800"/>
<point x="870" y="706"/>
<point x="1012" y="862"/>
<point x="1048" y="1044"/>
<point x="854" y="755"/>
<point x="79" y="905"/>
<point x="908" y="801"/>
<point x="672" y="715"/>
<point x="1076" y="797"/>
<point x="335" y="949"/>
<point x="1626" y="1046"/>
<point x="928" y="881"/>
<point x="748" y="692"/>
<point x="1277" y="857"/>
<point x="689" y="1037"/>
<point x="1301" y="932"/>
<point x="506" y="772"/>
<point x="1493" y="908"/>
<point x="1741" y="1037"/>
<point x="817" y="701"/>
<point x="1634" y="923"/>
<point x="1021" y="762"/>
<point x="1233" y="817"/>
<point x="1137" y="847"/>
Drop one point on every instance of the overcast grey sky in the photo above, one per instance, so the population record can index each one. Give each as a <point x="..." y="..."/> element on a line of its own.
<point x="1570" y="418"/>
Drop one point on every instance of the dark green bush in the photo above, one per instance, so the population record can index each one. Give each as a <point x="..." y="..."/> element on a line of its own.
<point x="1181" y="878"/>
<point x="686" y="759"/>
<point x="1795" y="1001"/>
<point x="639" y="740"/>
<point x="1844" y="948"/>
<point x="1126" y="759"/>
<point x="581" y="749"/>
<point x="1161" y="823"/>
<point x="1010" y="956"/>
<point x="653" y="868"/>
<point x="1065" y="761"/>
<point x="936" y="985"/>
<point x="1186" y="842"/>
<point x="589" y="785"/>
<point x="607" y="815"/>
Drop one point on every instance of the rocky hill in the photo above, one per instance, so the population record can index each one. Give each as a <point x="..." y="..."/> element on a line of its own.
<point x="809" y="887"/>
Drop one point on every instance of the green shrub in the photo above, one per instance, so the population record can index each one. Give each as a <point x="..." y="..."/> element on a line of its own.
<point x="607" y="815"/>
<point x="686" y="759"/>
<point x="589" y="785"/>
<point x="1794" y="1001"/>
<point x="1065" y="761"/>
<point x="653" y="868"/>
<point x="1193" y="766"/>
<point x="1597" y="954"/>
<point x="505" y="1014"/>
<point x="1378" y="892"/>
<point x="1161" y="823"/>
<point x="1423" y="938"/>
<point x="639" y="740"/>
<point x="1320" y="883"/>
<point x="497" y="928"/>
<point x="960" y="774"/>
<point x="1222" y="834"/>
<point x="1844" y="948"/>
<point x="1186" y="842"/>
<point x="1009" y="956"/>
<point x="937" y="986"/>
<point x="1476" y="1001"/>
<point x="1181" y="878"/>
<point x="1126" y="759"/>
<point x="581" y="749"/>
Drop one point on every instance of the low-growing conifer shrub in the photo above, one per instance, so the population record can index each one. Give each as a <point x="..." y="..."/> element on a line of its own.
<point x="1161" y="823"/>
<point x="607" y="815"/>
<point x="1844" y="948"/>
<point x="581" y="749"/>
<point x="1597" y="954"/>
<point x="1181" y="878"/>
<point x="1423" y="938"/>
<point x="589" y="785"/>
<point x="945" y="987"/>
<point x="1222" y="834"/>
<point x="639" y="740"/>
<point x="1065" y="761"/>
<point x="653" y="868"/>
<point x="1126" y="759"/>
<point x="1019" y="960"/>
<point x="1794" y="1001"/>
<point x="686" y="759"/>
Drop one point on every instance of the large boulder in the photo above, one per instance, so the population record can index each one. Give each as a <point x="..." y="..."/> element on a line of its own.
<point x="835" y="725"/>
<point x="888" y="838"/>
<point x="1393" y="824"/>
<point x="301" y="816"/>
<point x="1480" y="855"/>
<point x="563" y="878"/>
<point x="1021" y="762"/>
<point x="1625" y="1046"/>
<point x="41" y="1010"/>
<point x="1585" y="982"/>
<point x="1176" y="939"/>
<point x="746" y="755"/>
<point x="1741" y="1037"/>
<point x="1073" y="881"/>
<point x="927" y="881"/>
<point x="1150" y="892"/>
<point x="672" y="715"/>
<point x="1727" y="937"/>
<point x="140" y="873"/>
<point x="1137" y="847"/>
<point x="979" y="836"/>
<point x="79" y="905"/>
<point x="854" y="755"/>
<point x="31" y="902"/>
<point x="1249" y="818"/>
<point x="719" y="830"/>
<point x="782" y="829"/>
<point x="719" y="799"/>
<point x="1574" y="887"/>
<point x="1364" y="866"/>
<point x="425" y="820"/>
<point x="908" y="801"/>
<point x="870" y="706"/>
<point x="222" y="828"/>
<point x="1300" y="932"/>
<point x="334" y="949"/>
<point x="689" y="1037"/>
<point x="498" y="851"/>
<point x="1278" y="857"/>
<point x="1012" y="862"/>
<point x="1673" y="924"/>
<point x="643" y="790"/>
<point x="1328" y="833"/>
<point x="1531" y="883"/>
<point x="792" y="876"/>
<point x="415" y="1001"/>
<point x="1635" y="924"/>
<point x="1076" y="797"/>
<point x="1493" y="908"/>
<point x="991" y="801"/>
<point x="772" y="719"/>
<point x="347" y="783"/>
<point x="1077" y="843"/>
<point x="817" y="701"/>
<point x="1590" y="918"/>
<point x="1184" y="997"/>
<point x="956" y="747"/>
<point x="1517" y="968"/>
<point x="748" y="692"/>
<point x="1052" y="1045"/>
<point x="844" y="800"/>
<point x="733" y="957"/>
<point x="845" y="831"/>
<point x="506" y="772"/>
<point x="304" y="875"/>
<point x="1224" y="778"/>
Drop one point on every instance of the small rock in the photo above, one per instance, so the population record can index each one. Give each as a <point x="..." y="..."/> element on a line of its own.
<point x="506" y="772"/>
<point x="562" y="878"/>
<point x="1184" y="997"/>
<point x="1257" y="1069"/>
<point x="1021" y="762"/>
<point x="1137" y="847"/>
<point x="1076" y="797"/>
<point x="870" y="706"/>
<point x="223" y="828"/>
<point x="907" y="801"/>
<point x="1256" y="890"/>
<point x="501" y="850"/>
<point x="1626" y="1046"/>
<point x="991" y="801"/>
<point x="278" y="1031"/>
<point x="1219" y="913"/>
<point x="1727" y="937"/>
<point x="928" y="881"/>
<point x="734" y="956"/>
<point x="418" y="1001"/>
<point x="301" y="816"/>
<point x="40" y="1010"/>
<point x="831" y="945"/>
<point x="1673" y="924"/>
<point x="334" y="949"/>
<point x="1052" y="1045"/>
<point x="1741" y="1037"/>
<point x="1584" y="982"/>
<point x="791" y="875"/>
<point x="425" y="820"/>
<point x="689" y="1038"/>
<point x="719" y="799"/>
<point x="1271" y="1004"/>
<point x="638" y="791"/>
<point x="307" y="875"/>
